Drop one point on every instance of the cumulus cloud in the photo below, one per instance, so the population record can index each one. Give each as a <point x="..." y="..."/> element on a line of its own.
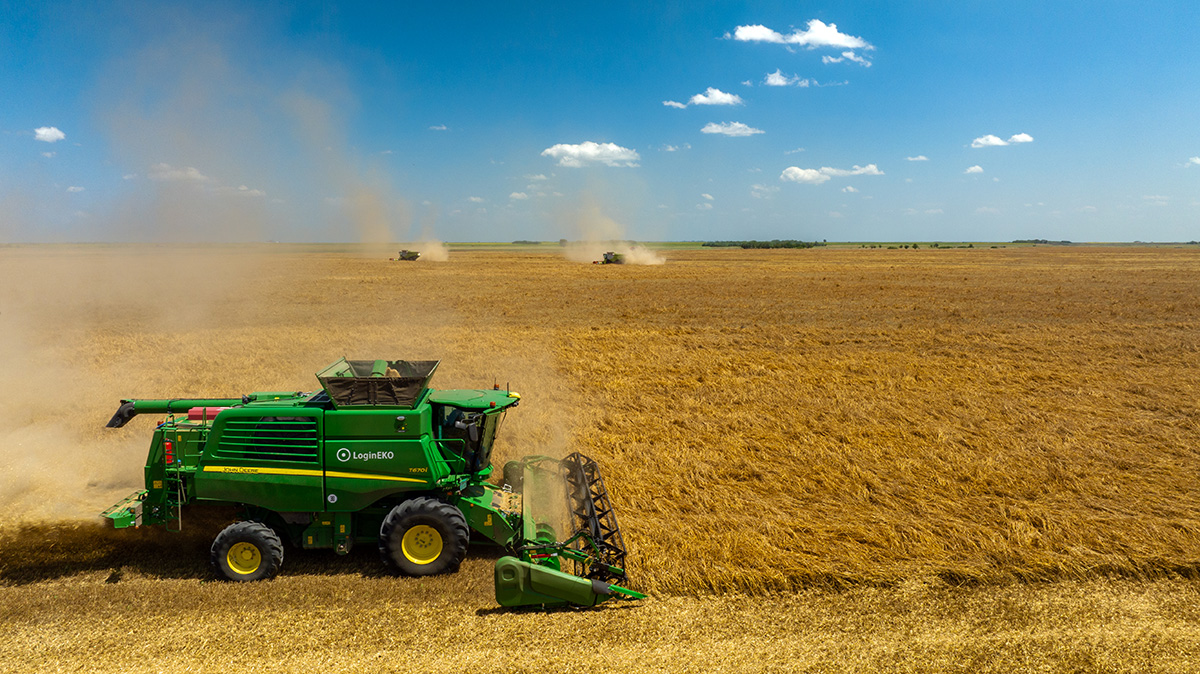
<point x="48" y="134"/>
<point x="919" y="157"/>
<point x="536" y="177"/>
<point x="799" y="149"/>
<point x="778" y="79"/>
<point x="74" y="188"/>
<point x="995" y="141"/>
<point x="1194" y="161"/>
<point x="849" y="190"/>
<point x="49" y="155"/>
<point x="818" y="34"/>
<point x="988" y="141"/>
<point x="846" y="56"/>
<point x="576" y="156"/>
<point x="730" y="129"/>
<point x="817" y="176"/>
<point x="711" y="96"/>
<point x="475" y="200"/>
<point x="168" y="173"/>
<point x="438" y="127"/>
<point x="518" y="196"/>
<point x="704" y="207"/>
<point x="799" y="175"/>
<point x="974" y="169"/>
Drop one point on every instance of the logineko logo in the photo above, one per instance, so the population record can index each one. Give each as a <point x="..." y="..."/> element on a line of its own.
<point x="345" y="455"/>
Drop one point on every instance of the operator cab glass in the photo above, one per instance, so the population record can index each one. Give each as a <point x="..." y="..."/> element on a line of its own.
<point x="469" y="433"/>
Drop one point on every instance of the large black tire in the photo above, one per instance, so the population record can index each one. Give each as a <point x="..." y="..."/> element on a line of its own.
<point x="247" y="551"/>
<point x="424" y="536"/>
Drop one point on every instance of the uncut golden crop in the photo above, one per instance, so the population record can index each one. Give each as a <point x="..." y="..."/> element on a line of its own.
<point x="765" y="420"/>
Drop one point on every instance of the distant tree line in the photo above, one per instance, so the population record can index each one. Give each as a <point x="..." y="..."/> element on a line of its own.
<point x="774" y="243"/>
<point x="522" y="242"/>
<point x="1040" y="241"/>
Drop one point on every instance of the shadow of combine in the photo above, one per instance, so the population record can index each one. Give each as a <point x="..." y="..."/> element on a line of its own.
<point x="37" y="552"/>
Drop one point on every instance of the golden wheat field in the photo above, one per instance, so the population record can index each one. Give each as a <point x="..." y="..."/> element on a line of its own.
<point x="822" y="460"/>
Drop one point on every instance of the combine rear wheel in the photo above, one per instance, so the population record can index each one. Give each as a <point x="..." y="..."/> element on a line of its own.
<point x="424" y="536"/>
<point x="247" y="551"/>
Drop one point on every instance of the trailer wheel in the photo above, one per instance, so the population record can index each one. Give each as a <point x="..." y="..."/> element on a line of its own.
<point x="247" y="551"/>
<point x="424" y="536"/>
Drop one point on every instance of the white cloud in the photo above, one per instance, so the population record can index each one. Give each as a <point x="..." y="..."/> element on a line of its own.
<point x="1021" y="138"/>
<point x="799" y="149"/>
<point x="934" y="211"/>
<point x="439" y="127"/>
<point x="868" y="170"/>
<point x="987" y="210"/>
<point x="536" y="177"/>
<point x="762" y="191"/>
<point x="475" y="200"/>
<point x="74" y="188"/>
<point x="988" y="141"/>
<point x="1156" y="199"/>
<point x="846" y="56"/>
<point x="168" y="173"/>
<point x="919" y="157"/>
<point x="576" y="156"/>
<point x="517" y="196"/>
<point x="747" y="83"/>
<point x="712" y="96"/>
<point x="49" y="155"/>
<point x="799" y="175"/>
<point x="707" y="196"/>
<point x="1194" y="161"/>
<point x="704" y="207"/>
<point x="778" y="79"/>
<point x="849" y="190"/>
<point x="818" y="176"/>
<point x="974" y="169"/>
<point x="730" y="129"/>
<point x="129" y="176"/>
<point x="819" y="34"/>
<point x="48" y="134"/>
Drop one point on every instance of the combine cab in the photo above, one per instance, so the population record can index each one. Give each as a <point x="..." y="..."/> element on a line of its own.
<point x="376" y="457"/>
<point x="611" y="258"/>
<point x="407" y="256"/>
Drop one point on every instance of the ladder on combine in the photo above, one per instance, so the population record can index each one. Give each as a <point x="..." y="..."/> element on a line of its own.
<point x="173" y="488"/>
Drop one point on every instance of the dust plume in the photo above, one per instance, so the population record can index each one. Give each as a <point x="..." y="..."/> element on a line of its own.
<point x="597" y="233"/>
<point x="432" y="250"/>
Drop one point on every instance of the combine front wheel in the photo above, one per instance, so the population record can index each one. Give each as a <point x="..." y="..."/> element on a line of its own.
<point x="424" y="536"/>
<point x="247" y="551"/>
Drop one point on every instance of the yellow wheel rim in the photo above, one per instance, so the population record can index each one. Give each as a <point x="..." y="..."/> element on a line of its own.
<point x="421" y="544"/>
<point x="244" y="558"/>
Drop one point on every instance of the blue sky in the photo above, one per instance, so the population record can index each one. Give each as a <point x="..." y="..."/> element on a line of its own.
<point x="853" y="121"/>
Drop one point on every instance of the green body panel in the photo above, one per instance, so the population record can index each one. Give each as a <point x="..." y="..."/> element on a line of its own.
<point x="264" y="456"/>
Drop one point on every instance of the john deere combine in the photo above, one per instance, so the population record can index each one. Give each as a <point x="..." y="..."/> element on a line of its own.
<point x="377" y="457"/>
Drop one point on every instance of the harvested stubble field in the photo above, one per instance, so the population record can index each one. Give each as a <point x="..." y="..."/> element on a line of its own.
<point x="823" y="460"/>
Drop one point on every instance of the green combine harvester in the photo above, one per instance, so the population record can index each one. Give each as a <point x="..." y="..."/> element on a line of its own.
<point x="377" y="457"/>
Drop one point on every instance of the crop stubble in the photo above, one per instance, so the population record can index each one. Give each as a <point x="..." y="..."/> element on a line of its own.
<point x="767" y="421"/>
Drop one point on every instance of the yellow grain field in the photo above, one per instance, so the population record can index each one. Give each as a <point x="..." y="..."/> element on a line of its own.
<point x="822" y="460"/>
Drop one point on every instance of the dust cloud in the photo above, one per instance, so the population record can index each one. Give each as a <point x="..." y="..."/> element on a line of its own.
<point x="596" y="233"/>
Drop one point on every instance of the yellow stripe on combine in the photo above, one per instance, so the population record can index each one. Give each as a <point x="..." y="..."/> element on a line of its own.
<point x="300" y="472"/>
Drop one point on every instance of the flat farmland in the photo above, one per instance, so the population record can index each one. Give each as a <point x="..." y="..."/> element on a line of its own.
<point x="822" y="460"/>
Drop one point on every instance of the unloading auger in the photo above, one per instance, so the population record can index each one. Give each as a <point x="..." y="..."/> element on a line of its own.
<point x="377" y="457"/>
